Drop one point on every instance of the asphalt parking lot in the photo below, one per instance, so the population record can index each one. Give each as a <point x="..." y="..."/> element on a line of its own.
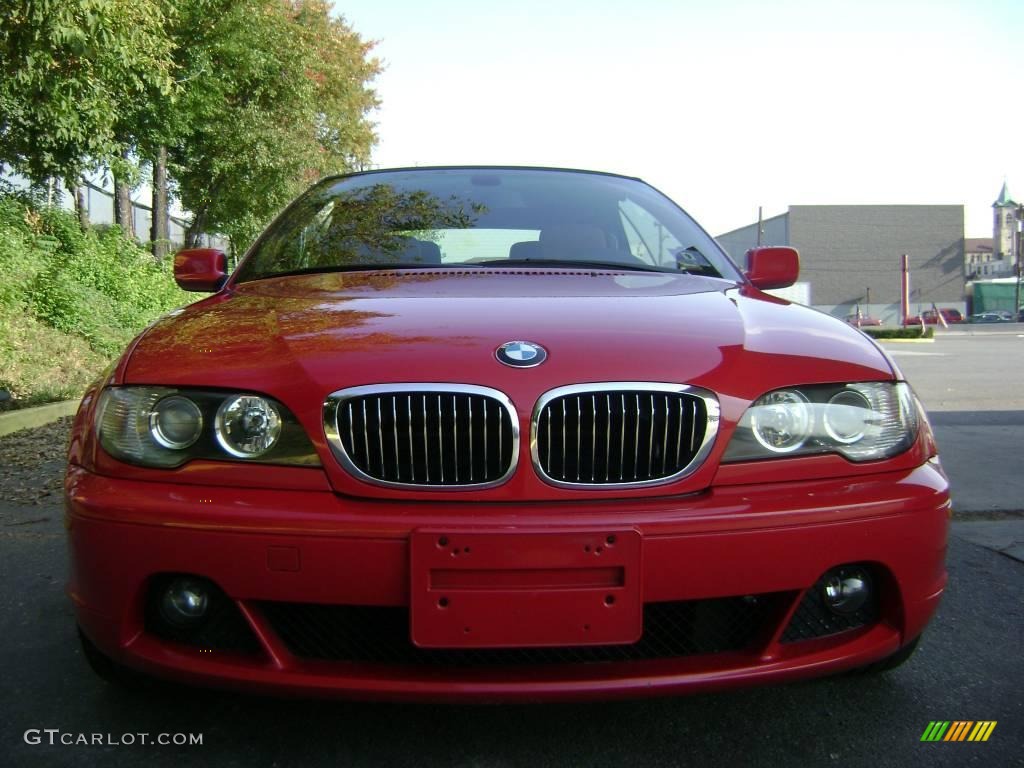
<point x="968" y="667"/>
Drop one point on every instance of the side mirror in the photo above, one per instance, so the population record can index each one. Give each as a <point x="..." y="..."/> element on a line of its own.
<point x="200" y="269"/>
<point x="772" y="266"/>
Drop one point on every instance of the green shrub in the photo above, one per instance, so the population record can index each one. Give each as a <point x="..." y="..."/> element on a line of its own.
<point x="94" y="289"/>
<point x="910" y="332"/>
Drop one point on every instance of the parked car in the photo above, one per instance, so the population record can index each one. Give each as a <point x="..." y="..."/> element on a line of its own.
<point x="931" y="317"/>
<point x="998" y="316"/>
<point x="496" y="433"/>
<point x="861" y="321"/>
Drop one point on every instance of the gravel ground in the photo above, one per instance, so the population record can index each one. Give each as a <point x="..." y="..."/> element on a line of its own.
<point x="32" y="464"/>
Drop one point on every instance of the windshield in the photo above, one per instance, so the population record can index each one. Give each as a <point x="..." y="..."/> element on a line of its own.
<point x="443" y="217"/>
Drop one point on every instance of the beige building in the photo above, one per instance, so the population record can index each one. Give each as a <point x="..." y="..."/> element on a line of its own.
<point x="980" y="261"/>
<point x="992" y="257"/>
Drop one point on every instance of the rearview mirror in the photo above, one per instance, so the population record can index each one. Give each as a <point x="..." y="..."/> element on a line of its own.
<point x="772" y="266"/>
<point x="200" y="269"/>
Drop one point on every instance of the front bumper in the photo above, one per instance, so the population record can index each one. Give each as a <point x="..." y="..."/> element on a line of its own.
<point x="304" y="551"/>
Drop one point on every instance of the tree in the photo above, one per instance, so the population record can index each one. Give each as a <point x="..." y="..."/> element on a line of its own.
<point x="69" y="69"/>
<point x="275" y="94"/>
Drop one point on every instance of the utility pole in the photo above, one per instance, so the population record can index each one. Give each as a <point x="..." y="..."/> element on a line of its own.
<point x="1017" y="259"/>
<point x="904" y="288"/>
<point x="760" y="229"/>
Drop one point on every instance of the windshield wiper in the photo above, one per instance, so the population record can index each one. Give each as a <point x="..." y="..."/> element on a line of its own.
<point x="570" y="263"/>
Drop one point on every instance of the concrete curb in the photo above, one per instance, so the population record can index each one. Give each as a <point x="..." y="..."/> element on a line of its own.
<point x="906" y="341"/>
<point x="36" y="417"/>
<point x="1003" y="536"/>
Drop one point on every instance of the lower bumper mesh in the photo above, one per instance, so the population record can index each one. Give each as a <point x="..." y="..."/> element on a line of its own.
<point x="813" y="619"/>
<point x="371" y="634"/>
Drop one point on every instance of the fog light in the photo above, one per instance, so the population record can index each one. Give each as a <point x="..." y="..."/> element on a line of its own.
<point x="185" y="601"/>
<point x="846" y="590"/>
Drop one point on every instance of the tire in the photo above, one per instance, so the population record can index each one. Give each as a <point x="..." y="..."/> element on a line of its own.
<point x="891" y="662"/>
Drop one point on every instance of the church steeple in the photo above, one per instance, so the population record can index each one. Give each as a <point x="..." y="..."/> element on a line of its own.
<point x="1004" y="200"/>
<point x="1004" y="226"/>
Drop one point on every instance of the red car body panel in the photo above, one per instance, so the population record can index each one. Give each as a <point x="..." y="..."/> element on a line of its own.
<point x="299" y="339"/>
<point x="779" y="536"/>
<point x="764" y="531"/>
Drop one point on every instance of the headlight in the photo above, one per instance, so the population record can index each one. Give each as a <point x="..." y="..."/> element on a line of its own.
<point x="175" y="422"/>
<point x="863" y="422"/>
<point x="165" y="427"/>
<point x="247" y="426"/>
<point x="783" y="421"/>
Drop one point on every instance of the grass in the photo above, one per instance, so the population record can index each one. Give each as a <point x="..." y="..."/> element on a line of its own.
<point x="70" y="301"/>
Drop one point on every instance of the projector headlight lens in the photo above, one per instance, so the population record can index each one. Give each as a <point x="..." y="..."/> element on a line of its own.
<point x="782" y="421"/>
<point x="847" y="416"/>
<point x="176" y="422"/>
<point x="247" y="425"/>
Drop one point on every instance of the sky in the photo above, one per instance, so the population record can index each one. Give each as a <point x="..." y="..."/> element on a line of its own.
<point x="723" y="105"/>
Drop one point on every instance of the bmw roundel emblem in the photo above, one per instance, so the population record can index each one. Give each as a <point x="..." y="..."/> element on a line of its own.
<point x="521" y="354"/>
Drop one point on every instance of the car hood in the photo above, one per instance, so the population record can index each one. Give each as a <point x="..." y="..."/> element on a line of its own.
<point x="319" y="333"/>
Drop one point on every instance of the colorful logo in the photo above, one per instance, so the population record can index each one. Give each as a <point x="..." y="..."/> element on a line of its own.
<point x="958" y="730"/>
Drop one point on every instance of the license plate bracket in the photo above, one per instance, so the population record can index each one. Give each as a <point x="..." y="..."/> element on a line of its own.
<point x="506" y="589"/>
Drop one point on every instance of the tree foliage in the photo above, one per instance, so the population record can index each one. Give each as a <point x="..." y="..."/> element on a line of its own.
<point x="275" y="94"/>
<point x="68" y="70"/>
<point x="253" y="99"/>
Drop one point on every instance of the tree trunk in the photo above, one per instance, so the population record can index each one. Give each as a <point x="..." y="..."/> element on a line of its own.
<point x="160" y="231"/>
<point x="195" y="230"/>
<point x="81" y="209"/>
<point x="123" y="204"/>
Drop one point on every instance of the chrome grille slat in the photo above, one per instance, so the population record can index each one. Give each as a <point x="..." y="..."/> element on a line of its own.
<point x="679" y="437"/>
<point x="593" y="437"/>
<point x="622" y="442"/>
<point x="394" y="420"/>
<point x="440" y="437"/>
<point x="636" y="439"/>
<point x="366" y="434"/>
<point x="650" y="442"/>
<point x="579" y="436"/>
<point x="608" y="439"/>
<point x="664" y="444"/>
<point x="426" y="433"/>
<point x="455" y="436"/>
<point x="622" y="434"/>
<point x="693" y="428"/>
<point x="408" y="412"/>
<point x="385" y="434"/>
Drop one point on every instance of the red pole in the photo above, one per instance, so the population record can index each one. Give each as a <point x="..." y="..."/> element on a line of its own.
<point x="905" y="287"/>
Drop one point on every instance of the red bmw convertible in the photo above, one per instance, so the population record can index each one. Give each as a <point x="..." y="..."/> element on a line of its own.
<point x="492" y="434"/>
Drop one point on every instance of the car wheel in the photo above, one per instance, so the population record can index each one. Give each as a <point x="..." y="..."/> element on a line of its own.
<point x="108" y="669"/>
<point x="891" y="662"/>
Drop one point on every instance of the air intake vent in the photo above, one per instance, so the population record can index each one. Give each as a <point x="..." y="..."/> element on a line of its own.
<point x="423" y="435"/>
<point x="622" y="434"/>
